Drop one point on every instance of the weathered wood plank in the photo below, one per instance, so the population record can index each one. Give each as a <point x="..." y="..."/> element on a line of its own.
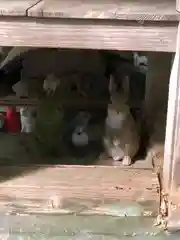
<point x="34" y="188"/>
<point x="16" y="7"/>
<point x="172" y="144"/>
<point x="74" y="226"/>
<point x="88" y="34"/>
<point x="157" y="10"/>
<point x="178" y="5"/>
<point x="171" y="127"/>
<point x="14" y="101"/>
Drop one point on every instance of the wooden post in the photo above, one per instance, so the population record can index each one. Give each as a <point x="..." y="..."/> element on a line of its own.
<point x="171" y="168"/>
<point x="178" y="5"/>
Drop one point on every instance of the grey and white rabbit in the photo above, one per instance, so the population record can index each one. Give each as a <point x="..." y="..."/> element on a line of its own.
<point x="121" y="138"/>
<point x="50" y="84"/>
<point x="80" y="136"/>
<point x="141" y="62"/>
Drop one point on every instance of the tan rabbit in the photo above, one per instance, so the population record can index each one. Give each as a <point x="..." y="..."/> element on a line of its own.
<point x="121" y="138"/>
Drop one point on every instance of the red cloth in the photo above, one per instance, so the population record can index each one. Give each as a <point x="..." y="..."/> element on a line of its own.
<point x="12" y="120"/>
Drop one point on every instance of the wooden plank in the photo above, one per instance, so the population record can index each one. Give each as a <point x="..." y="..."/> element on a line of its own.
<point x="172" y="144"/>
<point x="156" y="10"/>
<point x="88" y="34"/>
<point x="16" y="7"/>
<point x="15" y="101"/>
<point x="172" y="115"/>
<point x="178" y="5"/>
<point x="34" y="188"/>
<point x="74" y="226"/>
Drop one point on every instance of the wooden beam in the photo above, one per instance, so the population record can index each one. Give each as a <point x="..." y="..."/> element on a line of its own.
<point x="142" y="10"/>
<point x="171" y="177"/>
<point x="15" y="101"/>
<point x="178" y="5"/>
<point x="16" y="7"/>
<point x="88" y="34"/>
<point x="28" y="189"/>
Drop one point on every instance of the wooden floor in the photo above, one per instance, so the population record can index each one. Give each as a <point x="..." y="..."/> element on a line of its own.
<point x="26" y="187"/>
<point x="157" y="10"/>
<point x="48" y="189"/>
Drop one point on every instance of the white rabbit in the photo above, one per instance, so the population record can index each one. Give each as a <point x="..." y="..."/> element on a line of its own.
<point x="141" y="62"/>
<point x="80" y="137"/>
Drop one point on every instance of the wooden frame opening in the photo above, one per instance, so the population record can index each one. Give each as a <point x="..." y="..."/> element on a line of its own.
<point x="108" y="30"/>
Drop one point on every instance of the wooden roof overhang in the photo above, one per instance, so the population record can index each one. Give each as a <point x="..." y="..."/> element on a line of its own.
<point x="115" y="25"/>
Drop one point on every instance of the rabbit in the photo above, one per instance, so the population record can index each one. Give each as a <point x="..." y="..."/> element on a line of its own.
<point x="50" y="84"/>
<point x="27" y="119"/>
<point x="80" y="136"/>
<point x="141" y="62"/>
<point x="121" y="139"/>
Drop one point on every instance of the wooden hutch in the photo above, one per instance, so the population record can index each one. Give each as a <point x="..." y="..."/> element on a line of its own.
<point x="127" y="25"/>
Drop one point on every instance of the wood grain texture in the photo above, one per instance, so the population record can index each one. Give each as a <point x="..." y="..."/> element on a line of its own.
<point x="16" y="7"/>
<point x="171" y="151"/>
<point x="88" y="34"/>
<point x="34" y="187"/>
<point x="157" y="10"/>
<point x="178" y="5"/>
<point x="172" y="144"/>
<point x="15" y="101"/>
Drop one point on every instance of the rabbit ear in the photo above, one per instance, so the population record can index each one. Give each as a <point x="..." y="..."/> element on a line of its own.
<point x="112" y="85"/>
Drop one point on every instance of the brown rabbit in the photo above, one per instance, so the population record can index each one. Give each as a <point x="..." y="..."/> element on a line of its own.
<point x="121" y="138"/>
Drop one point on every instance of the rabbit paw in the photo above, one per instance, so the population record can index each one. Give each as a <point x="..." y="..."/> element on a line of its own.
<point x="126" y="161"/>
<point x="116" y="158"/>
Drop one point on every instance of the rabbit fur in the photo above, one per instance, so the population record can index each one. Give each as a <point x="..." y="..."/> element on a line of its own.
<point x="50" y="84"/>
<point x="79" y="135"/>
<point x="27" y="119"/>
<point x="121" y="140"/>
